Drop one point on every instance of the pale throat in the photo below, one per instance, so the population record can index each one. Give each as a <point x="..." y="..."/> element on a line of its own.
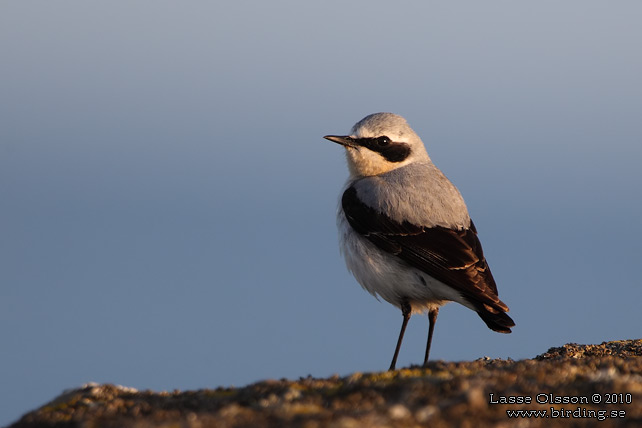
<point x="365" y="163"/>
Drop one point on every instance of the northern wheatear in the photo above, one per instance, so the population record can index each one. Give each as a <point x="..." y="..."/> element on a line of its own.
<point x="404" y="228"/>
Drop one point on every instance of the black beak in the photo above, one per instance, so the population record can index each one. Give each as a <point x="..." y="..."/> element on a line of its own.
<point x="344" y="140"/>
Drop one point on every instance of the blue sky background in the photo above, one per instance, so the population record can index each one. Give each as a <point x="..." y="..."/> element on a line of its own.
<point x="167" y="215"/>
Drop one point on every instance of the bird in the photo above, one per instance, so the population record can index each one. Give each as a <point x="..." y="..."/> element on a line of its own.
<point x="405" y="231"/>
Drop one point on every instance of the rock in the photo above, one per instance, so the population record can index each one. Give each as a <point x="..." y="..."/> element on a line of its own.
<point x="579" y="385"/>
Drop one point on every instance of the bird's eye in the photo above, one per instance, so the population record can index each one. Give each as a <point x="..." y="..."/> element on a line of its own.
<point x="383" y="141"/>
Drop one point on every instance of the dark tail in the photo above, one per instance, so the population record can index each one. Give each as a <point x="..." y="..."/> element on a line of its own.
<point x="495" y="319"/>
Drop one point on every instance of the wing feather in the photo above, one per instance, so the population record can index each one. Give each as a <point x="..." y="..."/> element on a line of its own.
<point x="454" y="257"/>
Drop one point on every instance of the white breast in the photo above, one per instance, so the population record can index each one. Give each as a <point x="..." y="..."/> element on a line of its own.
<point x="383" y="274"/>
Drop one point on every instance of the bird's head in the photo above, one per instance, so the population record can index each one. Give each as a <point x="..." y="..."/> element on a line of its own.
<point x="379" y="143"/>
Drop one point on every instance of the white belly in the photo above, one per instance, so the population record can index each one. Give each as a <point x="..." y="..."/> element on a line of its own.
<point x="383" y="274"/>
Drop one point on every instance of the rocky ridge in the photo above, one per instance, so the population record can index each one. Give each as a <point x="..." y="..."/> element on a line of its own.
<point x="578" y="385"/>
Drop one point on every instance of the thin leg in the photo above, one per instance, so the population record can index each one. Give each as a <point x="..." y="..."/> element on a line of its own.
<point x="432" y="319"/>
<point x="405" y="311"/>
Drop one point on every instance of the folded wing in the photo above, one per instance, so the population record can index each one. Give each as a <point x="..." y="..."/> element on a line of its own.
<point x="453" y="257"/>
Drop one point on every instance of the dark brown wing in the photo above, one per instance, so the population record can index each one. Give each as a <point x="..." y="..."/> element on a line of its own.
<point x="453" y="257"/>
